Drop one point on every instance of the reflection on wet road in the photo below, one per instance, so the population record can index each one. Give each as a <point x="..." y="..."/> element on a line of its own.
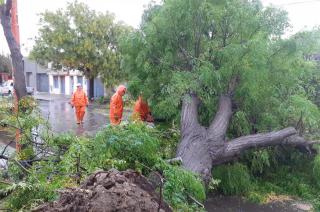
<point x="62" y="118"/>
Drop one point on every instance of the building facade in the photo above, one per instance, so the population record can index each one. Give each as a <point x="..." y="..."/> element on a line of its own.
<point x="36" y="76"/>
<point x="46" y="80"/>
<point x="65" y="82"/>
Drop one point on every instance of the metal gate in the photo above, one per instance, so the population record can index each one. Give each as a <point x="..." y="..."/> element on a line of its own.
<point x="98" y="88"/>
<point x="63" y="85"/>
<point x="42" y="83"/>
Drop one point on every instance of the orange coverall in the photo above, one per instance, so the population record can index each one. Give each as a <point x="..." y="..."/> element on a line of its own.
<point x="79" y="100"/>
<point x="141" y="111"/>
<point x="116" y="106"/>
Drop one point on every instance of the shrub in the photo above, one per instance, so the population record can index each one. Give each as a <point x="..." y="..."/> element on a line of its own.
<point x="235" y="178"/>
<point x="316" y="170"/>
<point x="135" y="144"/>
<point x="27" y="195"/>
<point x="181" y="186"/>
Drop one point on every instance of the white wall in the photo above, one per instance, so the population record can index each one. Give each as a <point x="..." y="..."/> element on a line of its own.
<point x="52" y="89"/>
<point x="68" y="89"/>
<point x="67" y="85"/>
<point x="50" y="83"/>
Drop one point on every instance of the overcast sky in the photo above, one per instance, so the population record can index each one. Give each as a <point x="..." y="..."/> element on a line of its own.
<point x="303" y="14"/>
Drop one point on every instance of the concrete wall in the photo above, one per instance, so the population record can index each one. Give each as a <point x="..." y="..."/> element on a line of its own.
<point x="31" y="69"/>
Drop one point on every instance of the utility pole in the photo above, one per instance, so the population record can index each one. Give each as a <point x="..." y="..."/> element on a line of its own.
<point x="16" y="35"/>
<point x="14" y="21"/>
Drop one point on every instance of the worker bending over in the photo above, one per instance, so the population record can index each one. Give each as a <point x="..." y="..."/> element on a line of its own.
<point x="141" y="111"/>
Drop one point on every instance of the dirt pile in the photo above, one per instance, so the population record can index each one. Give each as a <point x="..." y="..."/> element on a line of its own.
<point x="109" y="191"/>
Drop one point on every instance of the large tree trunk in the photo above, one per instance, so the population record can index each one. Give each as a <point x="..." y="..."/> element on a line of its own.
<point x="201" y="148"/>
<point x="17" y="62"/>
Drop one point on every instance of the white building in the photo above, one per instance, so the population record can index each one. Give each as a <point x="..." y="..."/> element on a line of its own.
<point x="64" y="82"/>
<point x="46" y="80"/>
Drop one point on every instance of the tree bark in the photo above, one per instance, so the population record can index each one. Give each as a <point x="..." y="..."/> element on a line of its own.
<point x="202" y="148"/>
<point x="193" y="148"/>
<point x="17" y="59"/>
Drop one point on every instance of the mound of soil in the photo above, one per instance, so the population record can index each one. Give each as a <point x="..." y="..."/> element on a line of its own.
<point x="109" y="191"/>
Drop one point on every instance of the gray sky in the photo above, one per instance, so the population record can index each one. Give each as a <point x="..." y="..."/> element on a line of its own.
<point x="303" y="14"/>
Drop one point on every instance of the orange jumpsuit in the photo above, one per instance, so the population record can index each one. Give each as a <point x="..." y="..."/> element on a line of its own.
<point x="116" y="106"/>
<point x="141" y="111"/>
<point x="79" y="100"/>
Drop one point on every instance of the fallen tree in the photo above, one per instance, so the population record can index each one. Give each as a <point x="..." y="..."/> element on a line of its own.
<point x="224" y="68"/>
<point x="201" y="148"/>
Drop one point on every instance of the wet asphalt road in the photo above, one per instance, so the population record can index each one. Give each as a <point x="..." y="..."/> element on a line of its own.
<point x="62" y="117"/>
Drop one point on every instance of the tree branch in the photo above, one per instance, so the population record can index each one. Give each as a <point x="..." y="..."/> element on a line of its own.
<point x="219" y="125"/>
<point x="5" y="148"/>
<point x="286" y="137"/>
<point x="189" y="116"/>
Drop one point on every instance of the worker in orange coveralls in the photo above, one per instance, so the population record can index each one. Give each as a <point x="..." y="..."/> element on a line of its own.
<point x="116" y="105"/>
<point x="141" y="111"/>
<point x="79" y="100"/>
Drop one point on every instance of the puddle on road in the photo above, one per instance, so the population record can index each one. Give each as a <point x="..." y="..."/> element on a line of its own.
<point x="62" y="118"/>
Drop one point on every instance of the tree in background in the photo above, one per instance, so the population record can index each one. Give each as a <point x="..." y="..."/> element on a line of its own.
<point x="83" y="39"/>
<point x="310" y="41"/>
<point x="18" y="74"/>
<point x="5" y="64"/>
<point x="224" y="68"/>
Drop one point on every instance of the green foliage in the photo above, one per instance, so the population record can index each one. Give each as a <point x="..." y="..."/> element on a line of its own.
<point x="278" y="171"/>
<point x="235" y="178"/>
<point x="80" y="38"/>
<point x="170" y="137"/>
<point x="27" y="195"/>
<point x="239" y="125"/>
<point x="180" y="186"/>
<point x="117" y="147"/>
<point x="258" y="161"/>
<point x="213" y="185"/>
<point x="26" y="120"/>
<point x="316" y="170"/>
<point x="272" y="172"/>
<point x="133" y="146"/>
<point x="198" y="46"/>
